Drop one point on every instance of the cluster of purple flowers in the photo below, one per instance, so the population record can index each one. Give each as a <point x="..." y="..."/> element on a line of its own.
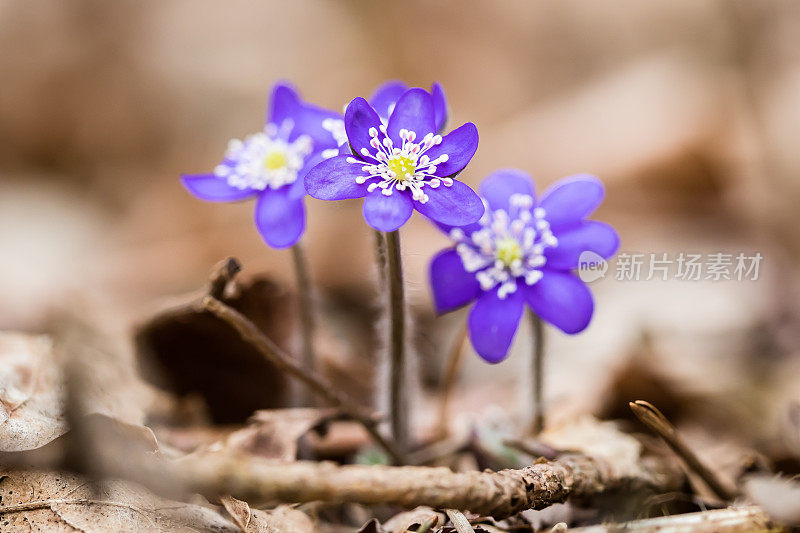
<point x="511" y="248"/>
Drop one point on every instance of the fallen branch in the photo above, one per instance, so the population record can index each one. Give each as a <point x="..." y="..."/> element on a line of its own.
<point x="716" y="521"/>
<point x="497" y="494"/>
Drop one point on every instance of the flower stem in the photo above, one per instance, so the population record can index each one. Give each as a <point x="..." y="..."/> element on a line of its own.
<point x="537" y="393"/>
<point x="454" y="358"/>
<point x="398" y="403"/>
<point x="308" y="357"/>
<point x="380" y="257"/>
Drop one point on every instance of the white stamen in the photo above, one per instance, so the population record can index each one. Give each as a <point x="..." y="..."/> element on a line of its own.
<point x="265" y="159"/>
<point x="509" y="246"/>
<point x="417" y="168"/>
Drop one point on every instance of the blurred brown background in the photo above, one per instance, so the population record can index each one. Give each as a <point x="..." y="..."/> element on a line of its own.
<point x="689" y="111"/>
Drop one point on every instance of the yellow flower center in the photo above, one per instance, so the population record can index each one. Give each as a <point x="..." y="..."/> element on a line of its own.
<point x="508" y="250"/>
<point x="402" y="167"/>
<point x="275" y="160"/>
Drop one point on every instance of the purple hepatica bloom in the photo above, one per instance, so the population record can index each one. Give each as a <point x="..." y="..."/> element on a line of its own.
<point x="271" y="165"/>
<point x="401" y="165"/>
<point x="523" y="250"/>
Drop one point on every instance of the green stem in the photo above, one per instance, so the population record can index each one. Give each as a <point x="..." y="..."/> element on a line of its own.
<point x="398" y="403"/>
<point x="308" y="357"/>
<point x="537" y="392"/>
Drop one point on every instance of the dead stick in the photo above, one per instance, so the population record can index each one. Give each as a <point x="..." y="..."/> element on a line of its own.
<point x="658" y="424"/>
<point x="288" y="364"/>
<point x="223" y="274"/>
<point x="498" y="494"/>
<point x="717" y="521"/>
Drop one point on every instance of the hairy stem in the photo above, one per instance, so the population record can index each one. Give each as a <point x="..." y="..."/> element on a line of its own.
<point x="305" y="301"/>
<point x="537" y="364"/>
<point x="454" y="358"/>
<point x="380" y="258"/>
<point x="398" y="402"/>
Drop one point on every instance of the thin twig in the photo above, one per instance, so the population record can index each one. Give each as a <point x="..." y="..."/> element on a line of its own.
<point x="224" y="272"/>
<point x="398" y="391"/>
<point x="306" y="304"/>
<point x="288" y="364"/>
<point x="731" y="520"/>
<point x="454" y="358"/>
<point x="658" y="424"/>
<point x="537" y="420"/>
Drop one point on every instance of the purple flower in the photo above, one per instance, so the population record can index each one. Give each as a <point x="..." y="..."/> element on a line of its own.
<point x="401" y="164"/>
<point x="270" y="165"/>
<point x="522" y="251"/>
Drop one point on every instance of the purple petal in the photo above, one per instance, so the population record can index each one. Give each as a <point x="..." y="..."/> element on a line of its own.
<point x="451" y="285"/>
<point x="439" y="106"/>
<point x="282" y="103"/>
<point x="310" y="162"/>
<point x="387" y="213"/>
<point x="457" y="205"/>
<point x="307" y="118"/>
<point x="468" y="229"/>
<point x="561" y="299"/>
<point x="280" y="219"/>
<point x="493" y="323"/>
<point x="459" y="145"/>
<point x="588" y="235"/>
<point x="386" y="96"/>
<point x="335" y="179"/>
<point x="359" y="117"/>
<point x="308" y="121"/>
<point x="413" y="112"/>
<point x="498" y="187"/>
<point x="213" y="189"/>
<point x="297" y="189"/>
<point x="572" y="199"/>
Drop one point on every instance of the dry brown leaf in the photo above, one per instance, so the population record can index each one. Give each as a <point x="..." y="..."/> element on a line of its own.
<point x="96" y="346"/>
<point x="31" y="413"/>
<point x="601" y="440"/>
<point x="239" y="511"/>
<point x="32" y="388"/>
<point x="282" y="519"/>
<point x="272" y="433"/>
<point x="61" y="502"/>
<point x="188" y="351"/>
<point x="421" y="516"/>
